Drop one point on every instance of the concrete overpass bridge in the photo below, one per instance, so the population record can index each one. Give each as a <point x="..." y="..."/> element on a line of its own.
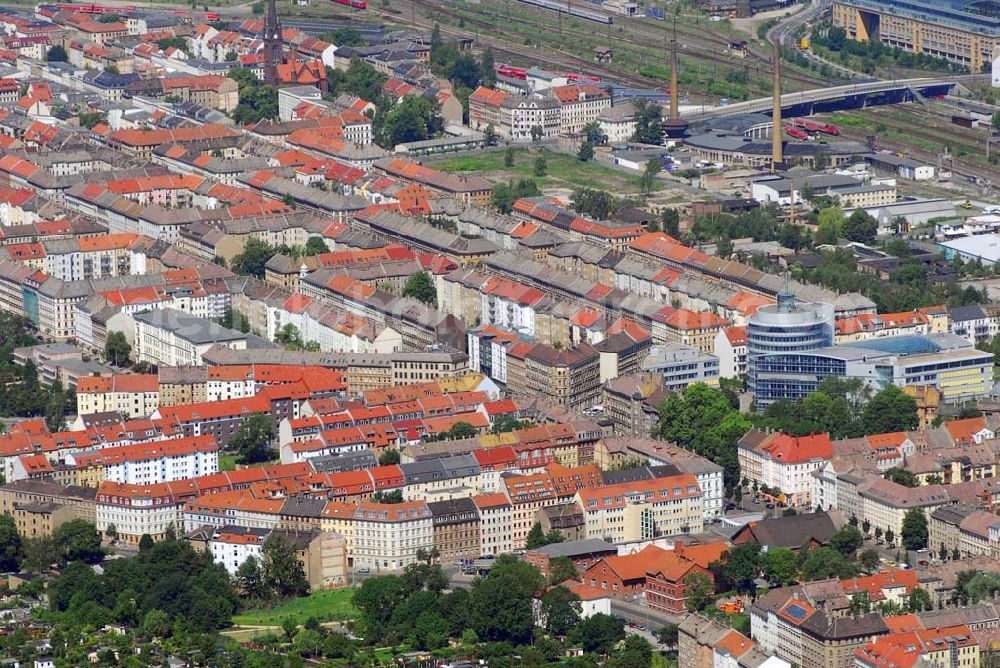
<point x="839" y="98"/>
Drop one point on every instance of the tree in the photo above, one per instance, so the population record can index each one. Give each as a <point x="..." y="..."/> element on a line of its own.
<point x="289" y="337"/>
<point x="536" y="537"/>
<point x="861" y="603"/>
<point x="316" y="246"/>
<point x="55" y="408"/>
<point x="257" y="100"/>
<point x="869" y="559"/>
<point x="595" y="135"/>
<point x="415" y="118"/>
<point x="78" y="540"/>
<point x="343" y="37"/>
<point x="825" y="562"/>
<point x="252" y="441"/>
<point x="388" y="457"/>
<point x="111" y="533"/>
<point x="866" y="526"/>
<point x="500" y="605"/>
<point x="10" y="543"/>
<point x="648" y="122"/>
<point x="901" y="476"/>
<point x="536" y="134"/>
<point x="145" y="542"/>
<point x="890" y="536"/>
<point x="560" y="609"/>
<point x="668" y="635"/>
<point x="541" y="166"/>
<point x="281" y="567"/>
<point x="487" y="64"/>
<point x="489" y="135"/>
<point x="831" y="219"/>
<point x="91" y="119"/>
<point x="888" y="411"/>
<point x="919" y="600"/>
<point x="56" y="54"/>
<point x="741" y="565"/>
<point x="847" y="540"/>
<point x="596" y="203"/>
<point x="250" y="579"/>
<point x="562" y="569"/>
<point x="508" y="157"/>
<point x="255" y="255"/>
<point x="586" y="152"/>
<point x="598" y="633"/>
<point x="670" y="220"/>
<point x="699" y="592"/>
<point x="914" y="534"/>
<point x="648" y="179"/>
<point x="861" y="227"/>
<point x="635" y="652"/>
<point x="781" y="566"/>
<point x="117" y="349"/>
<point x="420" y="286"/>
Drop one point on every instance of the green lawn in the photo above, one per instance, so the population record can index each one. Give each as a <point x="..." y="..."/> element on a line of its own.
<point x="327" y="605"/>
<point x="563" y="170"/>
<point x="227" y="462"/>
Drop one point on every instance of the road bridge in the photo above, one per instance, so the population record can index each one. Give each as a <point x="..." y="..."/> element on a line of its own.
<point x="838" y="98"/>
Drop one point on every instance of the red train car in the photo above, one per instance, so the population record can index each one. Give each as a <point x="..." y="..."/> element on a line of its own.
<point x="813" y="126"/>
<point x="583" y="77"/>
<point x="353" y="4"/>
<point x="96" y="9"/>
<point x="510" y="72"/>
<point x="797" y="133"/>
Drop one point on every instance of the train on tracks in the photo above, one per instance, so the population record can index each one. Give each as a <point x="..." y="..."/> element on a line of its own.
<point x="566" y="7"/>
<point x="511" y="72"/>
<point x="353" y="4"/>
<point x="814" y="127"/>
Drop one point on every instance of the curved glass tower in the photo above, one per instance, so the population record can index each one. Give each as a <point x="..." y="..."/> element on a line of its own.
<point x="786" y="327"/>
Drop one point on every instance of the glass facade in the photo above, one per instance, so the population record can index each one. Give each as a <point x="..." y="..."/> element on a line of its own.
<point x="786" y="327"/>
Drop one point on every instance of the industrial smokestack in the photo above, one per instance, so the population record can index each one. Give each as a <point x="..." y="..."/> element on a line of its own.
<point x="674" y="112"/>
<point x="776" y="155"/>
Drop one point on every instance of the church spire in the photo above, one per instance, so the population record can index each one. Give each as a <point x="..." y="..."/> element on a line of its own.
<point x="273" y="55"/>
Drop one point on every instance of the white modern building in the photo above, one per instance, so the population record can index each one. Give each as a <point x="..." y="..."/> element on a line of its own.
<point x="388" y="535"/>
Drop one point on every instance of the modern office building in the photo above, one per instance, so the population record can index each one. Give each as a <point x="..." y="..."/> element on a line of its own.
<point x="681" y="366"/>
<point x="945" y="361"/>
<point x="961" y="31"/>
<point x="786" y="327"/>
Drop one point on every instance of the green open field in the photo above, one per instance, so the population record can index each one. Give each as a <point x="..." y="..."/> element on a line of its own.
<point x="227" y="462"/>
<point x="563" y="170"/>
<point x="327" y="605"/>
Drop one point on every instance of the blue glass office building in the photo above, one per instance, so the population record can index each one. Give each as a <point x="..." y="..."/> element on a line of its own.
<point x="786" y="327"/>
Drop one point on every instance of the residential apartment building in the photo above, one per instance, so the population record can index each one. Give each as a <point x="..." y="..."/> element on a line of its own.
<point x="151" y="463"/>
<point x="456" y="528"/>
<point x="784" y="462"/>
<point x="135" y="395"/>
<point x="679" y="366"/>
<point x="167" y="337"/>
<point x="644" y="509"/>
<point x="495" y="518"/>
<point x="388" y="535"/>
<point x="568" y="377"/>
<point x="580" y="104"/>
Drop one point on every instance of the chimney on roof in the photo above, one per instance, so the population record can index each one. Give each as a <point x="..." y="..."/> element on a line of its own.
<point x="679" y="548"/>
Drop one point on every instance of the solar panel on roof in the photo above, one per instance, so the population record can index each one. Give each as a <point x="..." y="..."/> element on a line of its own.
<point x="796" y="612"/>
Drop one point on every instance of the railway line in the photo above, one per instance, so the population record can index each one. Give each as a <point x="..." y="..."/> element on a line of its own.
<point x="504" y="47"/>
<point x="646" y="38"/>
<point x="929" y="127"/>
<point x="693" y="42"/>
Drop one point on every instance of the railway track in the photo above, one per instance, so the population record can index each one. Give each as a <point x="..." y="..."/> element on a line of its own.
<point x="931" y="127"/>
<point x="504" y="46"/>
<point x="658" y="38"/>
